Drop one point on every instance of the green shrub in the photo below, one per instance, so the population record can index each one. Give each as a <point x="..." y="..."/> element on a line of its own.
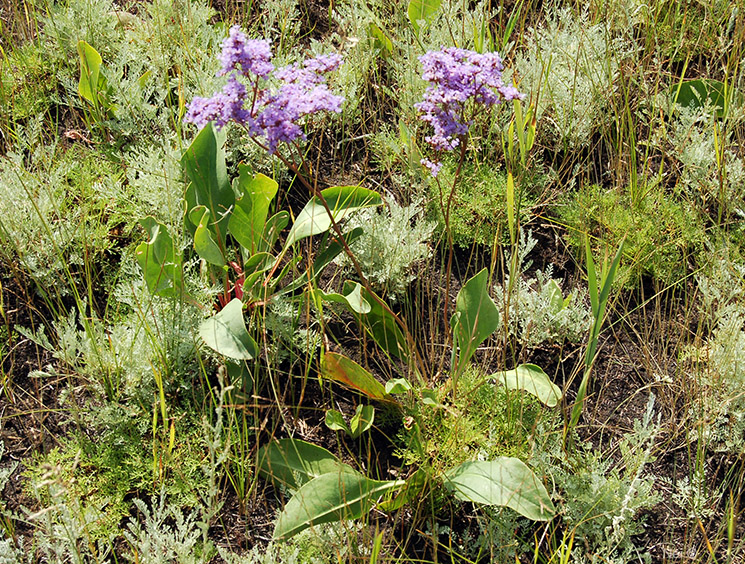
<point x="663" y="237"/>
<point x="478" y="212"/>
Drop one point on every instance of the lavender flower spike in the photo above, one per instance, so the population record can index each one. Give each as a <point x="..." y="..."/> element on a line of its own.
<point x="459" y="79"/>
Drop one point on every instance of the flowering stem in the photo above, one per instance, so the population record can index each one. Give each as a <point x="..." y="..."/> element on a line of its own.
<point x="449" y="232"/>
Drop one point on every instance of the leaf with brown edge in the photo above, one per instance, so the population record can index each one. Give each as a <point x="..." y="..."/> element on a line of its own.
<point x="339" y="368"/>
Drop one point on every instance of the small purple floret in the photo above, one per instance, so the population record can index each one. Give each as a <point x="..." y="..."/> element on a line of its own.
<point x="433" y="167"/>
<point x="221" y="108"/>
<point x="253" y="55"/>
<point x="457" y="76"/>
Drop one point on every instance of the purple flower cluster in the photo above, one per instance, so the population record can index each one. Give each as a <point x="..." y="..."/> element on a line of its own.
<point x="272" y="114"/>
<point x="303" y="92"/>
<point x="457" y="77"/>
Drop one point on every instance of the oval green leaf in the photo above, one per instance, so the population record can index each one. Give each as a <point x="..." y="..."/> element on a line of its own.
<point x="381" y="325"/>
<point x="478" y="317"/>
<point x="506" y="482"/>
<point x="204" y="242"/>
<point x="292" y="462"/>
<point x="248" y="219"/>
<point x="328" y="498"/>
<point x="161" y="265"/>
<point x="397" y="386"/>
<point x="226" y="333"/>
<point x="335" y="421"/>
<point x="352" y="298"/>
<point x="422" y="10"/>
<point x="204" y="165"/>
<point x="341" y="200"/>
<point x="532" y="379"/>
<point x="362" y="420"/>
<point x="697" y="93"/>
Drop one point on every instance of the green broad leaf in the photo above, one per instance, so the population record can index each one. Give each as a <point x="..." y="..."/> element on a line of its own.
<point x="91" y="79"/>
<point x="260" y="262"/>
<point x="344" y="370"/>
<point x="341" y="201"/>
<point x="248" y="220"/>
<point x="145" y="78"/>
<point x="532" y="379"/>
<point x="204" y="242"/>
<point x="698" y="93"/>
<point x="477" y="317"/>
<point x="430" y="397"/>
<point x="329" y="498"/>
<point x="93" y="86"/>
<point x="422" y="10"/>
<point x="555" y="298"/>
<point x="397" y="386"/>
<point x="242" y="379"/>
<point x="506" y="482"/>
<point x="352" y="299"/>
<point x="253" y="287"/>
<point x="411" y="491"/>
<point x="335" y="421"/>
<point x="226" y="333"/>
<point x="362" y="420"/>
<point x="160" y="264"/>
<point x="381" y="41"/>
<point x="408" y="142"/>
<point x="381" y="326"/>
<point x="272" y="230"/>
<point x="292" y="462"/>
<point x="204" y="165"/>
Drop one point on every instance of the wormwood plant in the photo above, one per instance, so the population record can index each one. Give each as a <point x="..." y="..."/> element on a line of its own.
<point x="390" y="245"/>
<point x="604" y="496"/>
<point x="569" y="67"/>
<point x="711" y="171"/>
<point x="535" y="310"/>
<point x="150" y="61"/>
<point x="54" y="212"/>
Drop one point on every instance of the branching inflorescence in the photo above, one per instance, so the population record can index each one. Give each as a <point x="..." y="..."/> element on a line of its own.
<point x="460" y="80"/>
<point x="269" y="113"/>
